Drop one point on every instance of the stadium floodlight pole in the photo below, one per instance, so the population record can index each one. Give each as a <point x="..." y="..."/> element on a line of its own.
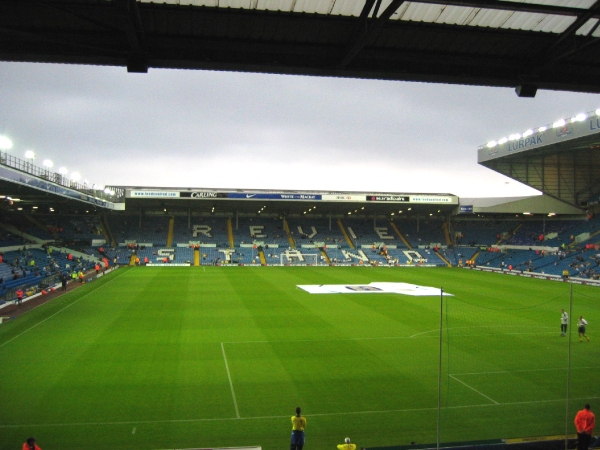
<point x="30" y="155"/>
<point x="439" y="413"/>
<point x="48" y="165"/>
<point x="5" y="145"/>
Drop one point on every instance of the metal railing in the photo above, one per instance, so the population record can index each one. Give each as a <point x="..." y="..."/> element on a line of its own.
<point x="47" y="174"/>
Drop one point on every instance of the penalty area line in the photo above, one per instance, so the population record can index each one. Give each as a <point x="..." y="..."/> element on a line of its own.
<point x="475" y="390"/>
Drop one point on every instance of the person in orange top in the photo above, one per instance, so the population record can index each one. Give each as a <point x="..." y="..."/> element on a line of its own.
<point x="19" y="296"/>
<point x="585" y="421"/>
<point x="30" y="444"/>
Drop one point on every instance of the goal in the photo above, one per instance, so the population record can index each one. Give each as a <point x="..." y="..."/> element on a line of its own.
<point x="299" y="259"/>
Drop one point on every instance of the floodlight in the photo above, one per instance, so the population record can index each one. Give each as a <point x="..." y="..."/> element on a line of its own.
<point x="559" y="123"/>
<point x="504" y="140"/>
<point x="542" y="129"/>
<point x="113" y="193"/>
<point x="598" y="112"/>
<point x="492" y="144"/>
<point x="29" y="154"/>
<point x="528" y="133"/>
<point x="47" y="163"/>
<point x="514" y="137"/>
<point x="5" y="143"/>
<point x="63" y="171"/>
<point x="106" y="190"/>
<point x="579" y="117"/>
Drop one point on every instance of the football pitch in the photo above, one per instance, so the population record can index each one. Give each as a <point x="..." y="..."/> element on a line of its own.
<point x="175" y="358"/>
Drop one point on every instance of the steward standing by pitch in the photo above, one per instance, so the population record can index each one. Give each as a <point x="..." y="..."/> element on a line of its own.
<point x="585" y="421"/>
<point x="298" y="426"/>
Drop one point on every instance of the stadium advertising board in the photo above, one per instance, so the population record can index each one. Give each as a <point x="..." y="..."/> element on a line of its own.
<point x="554" y="134"/>
<point x="130" y="193"/>
<point x="274" y="196"/>
<point x="204" y="194"/>
<point x="343" y="198"/>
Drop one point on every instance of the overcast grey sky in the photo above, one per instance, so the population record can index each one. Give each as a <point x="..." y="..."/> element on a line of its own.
<point x="252" y="131"/>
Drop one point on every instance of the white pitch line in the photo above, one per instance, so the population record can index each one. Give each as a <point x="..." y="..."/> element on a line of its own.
<point x="237" y="411"/>
<point x="59" y="311"/>
<point x="383" y="338"/>
<point x="345" y="413"/>
<point x="473" y="389"/>
<point x="522" y="370"/>
<point x="133" y="431"/>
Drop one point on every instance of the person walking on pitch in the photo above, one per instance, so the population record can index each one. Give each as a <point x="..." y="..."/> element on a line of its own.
<point x="564" y="321"/>
<point x="581" y="324"/>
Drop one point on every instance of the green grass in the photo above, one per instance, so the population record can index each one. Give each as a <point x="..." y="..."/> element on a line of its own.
<point x="162" y="358"/>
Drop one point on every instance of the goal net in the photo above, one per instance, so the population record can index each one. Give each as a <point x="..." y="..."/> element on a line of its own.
<point x="296" y="258"/>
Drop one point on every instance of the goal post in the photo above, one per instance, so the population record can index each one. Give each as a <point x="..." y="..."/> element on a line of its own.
<point x="298" y="259"/>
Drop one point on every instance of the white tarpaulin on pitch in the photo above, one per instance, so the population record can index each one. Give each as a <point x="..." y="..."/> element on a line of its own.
<point x="371" y="288"/>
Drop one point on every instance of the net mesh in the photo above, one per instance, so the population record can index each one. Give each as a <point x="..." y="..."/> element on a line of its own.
<point x="507" y="370"/>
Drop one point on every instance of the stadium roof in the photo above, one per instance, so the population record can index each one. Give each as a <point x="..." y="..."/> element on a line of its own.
<point x="546" y="44"/>
<point x="561" y="159"/>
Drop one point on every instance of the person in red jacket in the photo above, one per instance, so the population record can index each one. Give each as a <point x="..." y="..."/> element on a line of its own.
<point x="585" y="421"/>
<point x="30" y="444"/>
<point x="19" y="296"/>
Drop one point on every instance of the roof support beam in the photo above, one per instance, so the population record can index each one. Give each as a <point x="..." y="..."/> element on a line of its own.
<point x="130" y="22"/>
<point x="500" y="5"/>
<point x="370" y="33"/>
<point x="572" y="29"/>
